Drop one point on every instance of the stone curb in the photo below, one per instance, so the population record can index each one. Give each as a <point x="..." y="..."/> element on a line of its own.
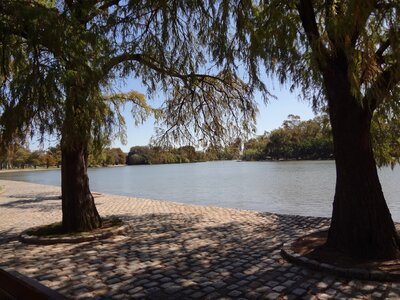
<point x="354" y="273"/>
<point x="46" y="240"/>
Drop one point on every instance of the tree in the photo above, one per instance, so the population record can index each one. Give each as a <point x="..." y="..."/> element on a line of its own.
<point x="21" y="157"/>
<point x="255" y="148"/>
<point x="50" y="159"/>
<point x="344" y="54"/>
<point x="58" y="63"/>
<point x="37" y="158"/>
<point x="55" y="153"/>
<point x="189" y="153"/>
<point x="119" y="156"/>
<point x="296" y="139"/>
<point x="138" y="155"/>
<point x="386" y="139"/>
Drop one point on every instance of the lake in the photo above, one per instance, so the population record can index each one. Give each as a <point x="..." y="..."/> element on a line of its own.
<point x="294" y="187"/>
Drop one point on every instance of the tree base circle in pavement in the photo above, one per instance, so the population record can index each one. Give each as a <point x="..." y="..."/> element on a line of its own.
<point x="308" y="251"/>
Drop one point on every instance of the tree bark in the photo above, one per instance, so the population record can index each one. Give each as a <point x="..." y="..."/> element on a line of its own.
<point x="361" y="224"/>
<point x="78" y="207"/>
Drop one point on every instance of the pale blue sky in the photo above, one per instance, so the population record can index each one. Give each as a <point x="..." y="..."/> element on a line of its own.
<point x="270" y="116"/>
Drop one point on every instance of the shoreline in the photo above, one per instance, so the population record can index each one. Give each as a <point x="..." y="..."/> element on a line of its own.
<point x="28" y="170"/>
<point x="53" y="168"/>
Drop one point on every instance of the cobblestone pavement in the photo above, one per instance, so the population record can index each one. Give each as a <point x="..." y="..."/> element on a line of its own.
<point x="172" y="251"/>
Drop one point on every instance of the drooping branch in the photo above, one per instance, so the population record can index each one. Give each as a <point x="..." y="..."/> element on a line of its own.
<point x="152" y="64"/>
<point x="358" y="16"/>
<point x="383" y="86"/>
<point x="210" y="110"/>
<point x="381" y="50"/>
<point x="22" y="21"/>
<point x="97" y="8"/>
<point x="308" y="21"/>
<point x="307" y="16"/>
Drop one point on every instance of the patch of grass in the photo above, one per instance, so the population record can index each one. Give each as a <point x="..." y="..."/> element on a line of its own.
<point x="56" y="229"/>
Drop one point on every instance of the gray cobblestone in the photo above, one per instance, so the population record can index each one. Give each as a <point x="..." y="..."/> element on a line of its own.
<point x="299" y="292"/>
<point x="279" y="288"/>
<point x="171" y="251"/>
<point x="271" y="296"/>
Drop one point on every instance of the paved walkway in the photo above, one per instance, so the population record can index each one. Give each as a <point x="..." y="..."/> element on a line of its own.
<point x="172" y="251"/>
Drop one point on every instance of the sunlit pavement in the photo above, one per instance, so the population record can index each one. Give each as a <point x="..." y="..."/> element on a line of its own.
<point x="172" y="251"/>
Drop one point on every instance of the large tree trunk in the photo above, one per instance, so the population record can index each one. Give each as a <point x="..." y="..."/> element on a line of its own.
<point x="361" y="223"/>
<point x="78" y="208"/>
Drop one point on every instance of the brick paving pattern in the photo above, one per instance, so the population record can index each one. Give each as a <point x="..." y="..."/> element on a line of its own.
<point x="171" y="251"/>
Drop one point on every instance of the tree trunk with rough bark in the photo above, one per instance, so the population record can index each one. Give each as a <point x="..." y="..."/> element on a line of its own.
<point x="78" y="207"/>
<point x="361" y="224"/>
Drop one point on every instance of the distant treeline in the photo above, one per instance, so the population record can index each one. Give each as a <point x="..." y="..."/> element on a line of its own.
<point x="295" y="139"/>
<point x="19" y="157"/>
<point x="140" y="155"/>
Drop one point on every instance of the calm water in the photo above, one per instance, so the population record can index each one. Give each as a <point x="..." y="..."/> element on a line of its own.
<point x="304" y="188"/>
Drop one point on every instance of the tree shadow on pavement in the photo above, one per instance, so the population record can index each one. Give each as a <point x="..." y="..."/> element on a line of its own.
<point x="41" y="203"/>
<point x="181" y="256"/>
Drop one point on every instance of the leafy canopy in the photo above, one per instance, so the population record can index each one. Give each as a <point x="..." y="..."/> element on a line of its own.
<point x="61" y="59"/>
<point x="298" y="40"/>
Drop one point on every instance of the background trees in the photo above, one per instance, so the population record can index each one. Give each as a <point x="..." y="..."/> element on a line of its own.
<point x="295" y="139"/>
<point x="344" y="55"/>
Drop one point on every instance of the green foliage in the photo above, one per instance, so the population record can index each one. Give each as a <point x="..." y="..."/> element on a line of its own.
<point x="313" y="45"/>
<point x="296" y="40"/>
<point x="255" y="149"/>
<point x="54" y="155"/>
<point x="295" y="139"/>
<point x="16" y="156"/>
<point x="60" y="59"/>
<point x="145" y="155"/>
<point x="19" y="157"/>
<point x="107" y="157"/>
<point x="37" y="158"/>
<point x="386" y="140"/>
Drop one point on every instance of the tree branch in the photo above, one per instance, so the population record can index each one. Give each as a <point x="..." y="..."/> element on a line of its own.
<point x="152" y="64"/>
<point x="382" y="48"/>
<point x="382" y="86"/>
<point x="308" y="21"/>
<point x="358" y="17"/>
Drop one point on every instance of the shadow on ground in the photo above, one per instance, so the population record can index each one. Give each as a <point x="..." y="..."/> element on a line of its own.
<point x="43" y="202"/>
<point x="177" y="256"/>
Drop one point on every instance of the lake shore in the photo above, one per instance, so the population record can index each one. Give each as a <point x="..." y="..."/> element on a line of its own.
<point x="28" y="170"/>
<point x="53" y="168"/>
<point x="170" y="251"/>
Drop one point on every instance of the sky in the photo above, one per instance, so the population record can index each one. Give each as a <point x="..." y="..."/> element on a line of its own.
<point x="270" y="116"/>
